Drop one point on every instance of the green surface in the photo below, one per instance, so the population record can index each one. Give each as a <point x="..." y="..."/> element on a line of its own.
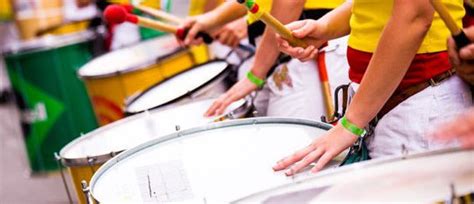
<point x="55" y="108"/>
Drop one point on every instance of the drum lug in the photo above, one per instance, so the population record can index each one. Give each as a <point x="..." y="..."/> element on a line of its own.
<point x="177" y="127"/>
<point x="404" y="151"/>
<point x="85" y="190"/>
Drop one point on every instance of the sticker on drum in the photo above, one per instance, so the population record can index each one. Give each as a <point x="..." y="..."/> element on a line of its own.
<point x="203" y="81"/>
<point x="420" y="178"/>
<point x="218" y="162"/>
<point x="84" y="155"/>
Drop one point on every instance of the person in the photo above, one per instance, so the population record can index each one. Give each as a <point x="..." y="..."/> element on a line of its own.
<point x="399" y="63"/>
<point x="462" y="128"/>
<point x="288" y="92"/>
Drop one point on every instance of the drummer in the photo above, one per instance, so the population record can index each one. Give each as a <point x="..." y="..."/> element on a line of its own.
<point x="462" y="128"/>
<point x="291" y="96"/>
<point x="396" y="48"/>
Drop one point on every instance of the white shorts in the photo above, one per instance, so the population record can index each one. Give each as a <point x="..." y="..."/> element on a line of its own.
<point x="294" y="89"/>
<point x="405" y="127"/>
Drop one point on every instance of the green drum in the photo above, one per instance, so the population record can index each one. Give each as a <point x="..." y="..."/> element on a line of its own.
<point x="54" y="105"/>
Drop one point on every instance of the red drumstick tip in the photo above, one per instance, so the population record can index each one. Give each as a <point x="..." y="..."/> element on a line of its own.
<point x="115" y="14"/>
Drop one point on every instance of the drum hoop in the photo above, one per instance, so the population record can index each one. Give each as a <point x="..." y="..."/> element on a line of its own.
<point x="216" y="79"/>
<point x="136" y="67"/>
<point x="184" y="133"/>
<point x="350" y="168"/>
<point x="45" y="43"/>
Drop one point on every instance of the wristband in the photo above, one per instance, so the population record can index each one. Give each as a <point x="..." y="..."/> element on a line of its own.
<point x="351" y="127"/>
<point x="255" y="80"/>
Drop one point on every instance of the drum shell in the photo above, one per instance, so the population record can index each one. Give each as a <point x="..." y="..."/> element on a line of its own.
<point x="53" y="102"/>
<point x="79" y="174"/>
<point x="108" y="93"/>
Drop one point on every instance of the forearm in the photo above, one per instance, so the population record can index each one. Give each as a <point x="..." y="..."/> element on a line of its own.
<point x="337" y="21"/>
<point x="391" y="60"/>
<point x="225" y="13"/>
<point x="267" y="50"/>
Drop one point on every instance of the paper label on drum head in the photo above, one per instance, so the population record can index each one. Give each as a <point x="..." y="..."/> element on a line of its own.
<point x="164" y="182"/>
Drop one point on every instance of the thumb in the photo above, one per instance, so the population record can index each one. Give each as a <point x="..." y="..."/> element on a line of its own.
<point x="304" y="29"/>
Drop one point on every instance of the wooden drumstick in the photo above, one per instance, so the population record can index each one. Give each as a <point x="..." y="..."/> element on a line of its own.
<point x="118" y="14"/>
<point x="269" y="20"/>
<point x="458" y="34"/>
<point x="159" y="14"/>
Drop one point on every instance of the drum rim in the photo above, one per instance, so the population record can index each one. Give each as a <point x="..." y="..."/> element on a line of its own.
<point x="218" y="78"/>
<point x="102" y="158"/>
<point x="134" y="68"/>
<point x="184" y="133"/>
<point x="47" y="42"/>
<point x="347" y="169"/>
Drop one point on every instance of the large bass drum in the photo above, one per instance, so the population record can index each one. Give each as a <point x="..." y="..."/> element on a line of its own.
<point x="430" y="177"/>
<point x="218" y="162"/>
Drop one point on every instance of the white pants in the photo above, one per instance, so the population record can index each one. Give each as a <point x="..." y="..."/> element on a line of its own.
<point x="297" y="89"/>
<point x="407" y="125"/>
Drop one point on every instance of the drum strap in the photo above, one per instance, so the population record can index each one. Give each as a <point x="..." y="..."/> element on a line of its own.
<point x="401" y="95"/>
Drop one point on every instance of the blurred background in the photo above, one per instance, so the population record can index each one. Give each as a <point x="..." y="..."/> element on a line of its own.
<point x="44" y="103"/>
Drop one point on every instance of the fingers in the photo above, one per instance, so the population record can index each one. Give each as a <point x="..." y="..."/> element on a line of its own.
<point x="299" y="29"/>
<point x="212" y="110"/>
<point x="304" y="162"/>
<point x="192" y="33"/>
<point x="290" y="160"/>
<point x="452" y="52"/>
<point x="328" y="156"/>
<point x="303" y="54"/>
<point x="467" y="53"/>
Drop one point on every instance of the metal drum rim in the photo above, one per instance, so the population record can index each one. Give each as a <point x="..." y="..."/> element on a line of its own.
<point x="352" y="167"/>
<point x="48" y="42"/>
<point x="130" y="69"/>
<point x="216" y="79"/>
<point x="183" y="133"/>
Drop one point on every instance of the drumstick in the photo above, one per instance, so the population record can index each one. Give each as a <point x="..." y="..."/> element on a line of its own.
<point x="274" y="23"/>
<point x="154" y="12"/>
<point x="118" y="14"/>
<point x="286" y="33"/>
<point x="458" y="34"/>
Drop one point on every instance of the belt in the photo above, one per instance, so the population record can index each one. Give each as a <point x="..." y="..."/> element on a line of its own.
<point x="403" y="94"/>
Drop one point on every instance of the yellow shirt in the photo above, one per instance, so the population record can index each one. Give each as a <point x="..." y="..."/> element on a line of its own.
<point x="266" y="5"/>
<point x="370" y="16"/>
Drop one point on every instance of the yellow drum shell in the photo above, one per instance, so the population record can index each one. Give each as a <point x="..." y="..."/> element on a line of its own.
<point x="108" y="92"/>
<point x="79" y="174"/>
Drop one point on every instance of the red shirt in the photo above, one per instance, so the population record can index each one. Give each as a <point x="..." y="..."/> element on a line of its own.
<point x="422" y="68"/>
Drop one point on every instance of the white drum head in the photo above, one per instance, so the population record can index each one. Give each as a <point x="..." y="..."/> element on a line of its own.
<point x="132" y="131"/>
<point x="177" y="86"/>
<point x="215" y="163"/>
<point x="130" y="58"/>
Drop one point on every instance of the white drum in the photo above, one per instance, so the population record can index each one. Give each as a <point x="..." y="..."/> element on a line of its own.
<point x="216" y="163"/>
<point x="203" y="81"/>
<point x="418" y="178"/>
<point x="84" y="155"/>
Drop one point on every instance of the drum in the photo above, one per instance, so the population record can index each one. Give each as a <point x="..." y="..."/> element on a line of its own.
<point x="113" y="77"/>
<point x="84" y="155"/>
<point x="53" y="102"/>
<point x="207" y="80"/>
<point x="418" y="178"/>
<point x="215" y="163"/>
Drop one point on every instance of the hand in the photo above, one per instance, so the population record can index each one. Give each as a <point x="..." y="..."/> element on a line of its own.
<point x="194" y="25"/>
<point x="313" y="33"/>
<point x="463" y="60"/>
<point x="237" y="92"/>
<point x="461" y="129"/>
<point x="322" y="150"/>
<point x="232" y="33"/>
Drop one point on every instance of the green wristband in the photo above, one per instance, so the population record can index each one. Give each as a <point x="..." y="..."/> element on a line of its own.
<point x="255" y="80"/>
<point x="351" y="127"/>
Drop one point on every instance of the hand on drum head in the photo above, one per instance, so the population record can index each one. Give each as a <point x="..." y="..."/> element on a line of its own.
<point x="232" y="33"/>
<point x="463" y="60"/>
<point x="322" y="150"/>
<point x="313" y="33"/>
<point x="461" y="129"/>
<point x="241" y="89"/>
